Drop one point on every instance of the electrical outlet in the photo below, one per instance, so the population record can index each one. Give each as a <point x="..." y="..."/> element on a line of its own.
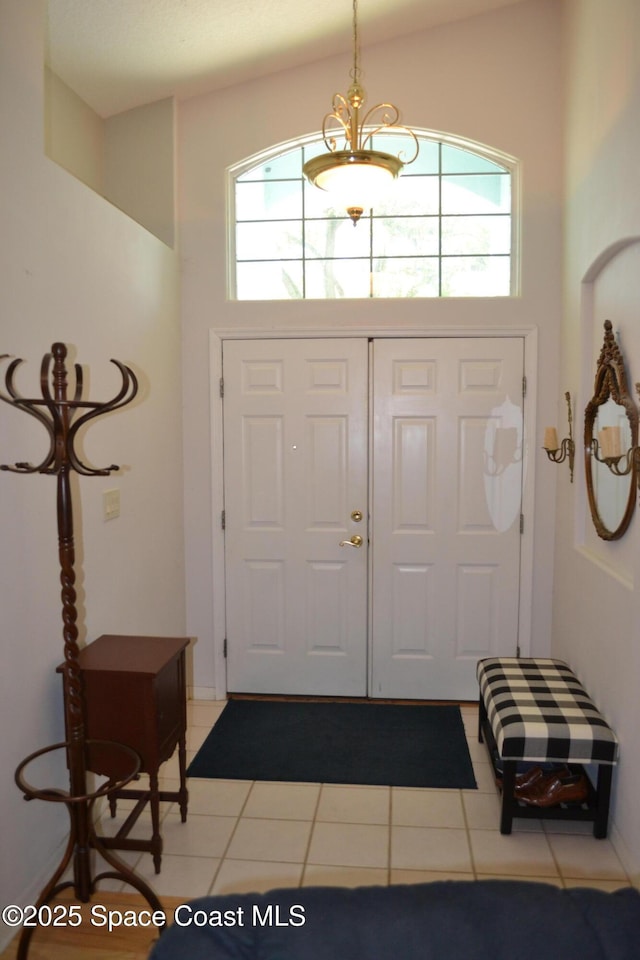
<point x="111" y="504"/>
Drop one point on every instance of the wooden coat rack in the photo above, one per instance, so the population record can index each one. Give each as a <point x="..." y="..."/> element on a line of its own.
<point x="62" y="418"/>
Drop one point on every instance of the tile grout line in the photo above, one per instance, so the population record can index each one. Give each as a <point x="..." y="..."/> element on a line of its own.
<point x="314" y="820"/>
<point x="231" y="836"/>
<point x="554" y="858"/>
<point x="468" y="834"/>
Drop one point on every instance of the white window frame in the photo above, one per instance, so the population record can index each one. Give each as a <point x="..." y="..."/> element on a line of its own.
<point x="508" y="162"/>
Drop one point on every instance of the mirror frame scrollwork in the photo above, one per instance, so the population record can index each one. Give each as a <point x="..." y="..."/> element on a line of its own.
<point x="610" y="382"/>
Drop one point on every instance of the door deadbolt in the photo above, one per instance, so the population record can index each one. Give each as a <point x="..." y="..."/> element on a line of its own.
<point x="356" y="515"/>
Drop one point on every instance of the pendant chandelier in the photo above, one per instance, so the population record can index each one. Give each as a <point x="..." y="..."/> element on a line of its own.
<point x="357" y="174"/>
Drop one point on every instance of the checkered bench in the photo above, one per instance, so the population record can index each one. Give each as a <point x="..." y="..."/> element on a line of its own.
<point x="537" y="710"/>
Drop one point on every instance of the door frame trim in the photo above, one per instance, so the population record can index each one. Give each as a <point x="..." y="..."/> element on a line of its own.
<point x="216" y="339"/>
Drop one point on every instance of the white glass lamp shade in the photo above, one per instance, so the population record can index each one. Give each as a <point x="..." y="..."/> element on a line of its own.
<point x="357" y="179"/>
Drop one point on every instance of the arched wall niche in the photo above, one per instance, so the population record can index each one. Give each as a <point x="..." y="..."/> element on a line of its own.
<point x="610" y="291"/>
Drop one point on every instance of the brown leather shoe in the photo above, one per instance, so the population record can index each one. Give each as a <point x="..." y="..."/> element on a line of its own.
<point x="523" y="780"/>
<point x="557" y="788"/>
<point x="527" y="780"/>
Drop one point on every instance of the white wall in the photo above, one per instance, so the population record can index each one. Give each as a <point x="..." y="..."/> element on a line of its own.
<point x="139" y="165"/>
<point x="129" y="158"/>
<point x="73" y="132"/>
<point x="494" y="79"/>
<point x="74" y="268"/>
<point x="597" y="600"/>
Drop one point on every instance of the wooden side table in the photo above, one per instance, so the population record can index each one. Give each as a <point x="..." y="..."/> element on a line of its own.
<point x="135" y="694"/>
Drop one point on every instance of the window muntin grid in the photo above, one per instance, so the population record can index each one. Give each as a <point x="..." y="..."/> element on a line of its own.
<point x="445" y="231"/>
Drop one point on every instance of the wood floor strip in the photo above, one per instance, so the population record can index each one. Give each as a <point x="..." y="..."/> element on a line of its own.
<point x="90" y="941"/>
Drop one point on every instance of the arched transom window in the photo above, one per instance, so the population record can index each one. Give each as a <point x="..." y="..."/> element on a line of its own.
<point x="446" y="230"/>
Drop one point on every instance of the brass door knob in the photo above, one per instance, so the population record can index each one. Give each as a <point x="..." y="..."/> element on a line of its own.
<point x="355" y="541"/>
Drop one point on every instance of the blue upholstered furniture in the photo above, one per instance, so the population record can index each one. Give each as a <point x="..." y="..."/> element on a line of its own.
<point x="448" y="920"/>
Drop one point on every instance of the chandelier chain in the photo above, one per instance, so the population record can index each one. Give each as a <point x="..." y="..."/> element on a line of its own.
<point x="355" y="71"/>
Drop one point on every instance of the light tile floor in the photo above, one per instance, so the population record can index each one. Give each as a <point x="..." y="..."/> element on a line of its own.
<point x="243" y="836"/>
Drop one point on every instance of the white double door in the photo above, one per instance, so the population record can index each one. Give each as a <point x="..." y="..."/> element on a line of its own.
<point x="372" y="503"/>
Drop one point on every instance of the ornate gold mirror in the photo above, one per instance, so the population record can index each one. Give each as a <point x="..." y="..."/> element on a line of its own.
<point x="610" y="430"/>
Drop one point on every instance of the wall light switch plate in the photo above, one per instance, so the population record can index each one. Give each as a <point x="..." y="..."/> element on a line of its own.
<point x="111" y="504"/>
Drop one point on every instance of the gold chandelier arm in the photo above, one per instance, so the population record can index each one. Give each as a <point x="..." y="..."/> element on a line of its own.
<point x="388" y="124"/>
<point x="389" y="118"/>
<point x="340" y="115"/>
<point x="416" y="144"/>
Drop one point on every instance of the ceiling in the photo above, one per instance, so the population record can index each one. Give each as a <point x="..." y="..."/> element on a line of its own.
<point x="119" y="54"/>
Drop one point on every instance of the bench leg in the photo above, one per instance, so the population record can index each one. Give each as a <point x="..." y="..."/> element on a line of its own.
<point x="508" y="801"/>
<point x="482" y="716"/>
<point x="603" y="796"/>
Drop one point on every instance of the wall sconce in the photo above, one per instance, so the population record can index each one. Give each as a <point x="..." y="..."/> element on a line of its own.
<point x="558" y="452"/>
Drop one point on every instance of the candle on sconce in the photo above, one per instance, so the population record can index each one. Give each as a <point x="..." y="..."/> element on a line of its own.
<point x="610" y="443"/>
<point x="550" y="438"/>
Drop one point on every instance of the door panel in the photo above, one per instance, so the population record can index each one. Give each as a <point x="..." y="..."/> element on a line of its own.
<point x="295" y="422"/>
<point x="447" y="461"/>
<point x="446" y="479"/>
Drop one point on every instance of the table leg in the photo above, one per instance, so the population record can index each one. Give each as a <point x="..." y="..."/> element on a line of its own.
<point x="182" y="764"/>
<point x="154" y="804"/>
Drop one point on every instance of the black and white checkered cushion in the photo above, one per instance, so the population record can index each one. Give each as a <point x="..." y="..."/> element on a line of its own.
<point x="539" y="710"/>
